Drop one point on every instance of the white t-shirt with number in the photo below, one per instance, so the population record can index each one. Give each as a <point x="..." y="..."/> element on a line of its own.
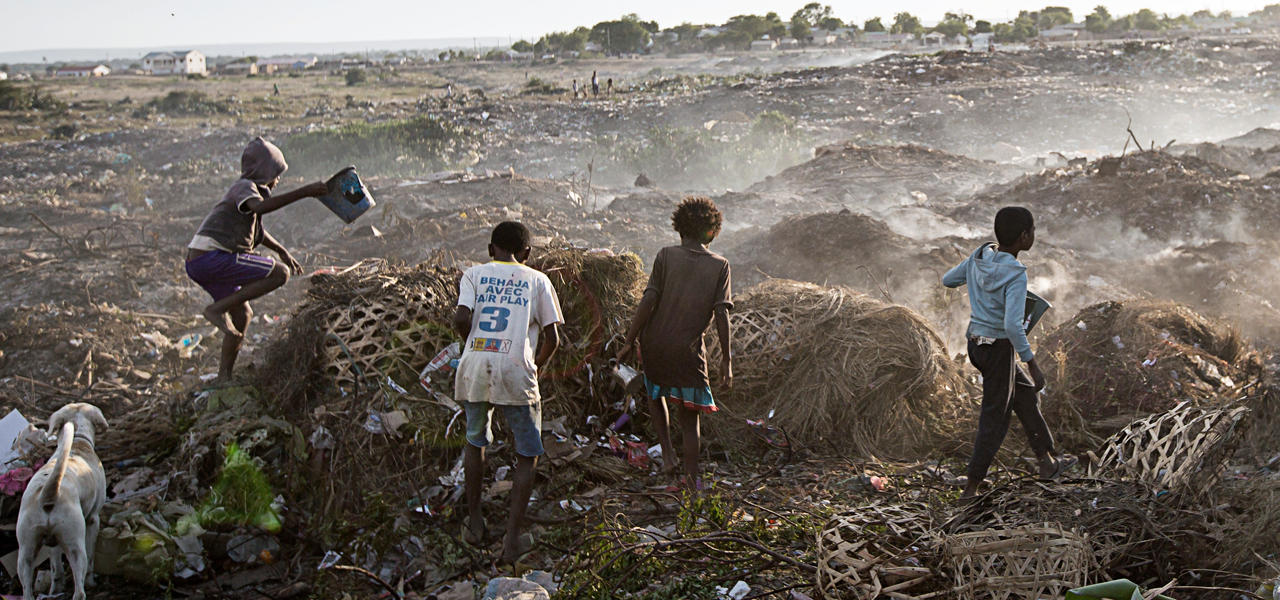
<point x="510" y="303"/>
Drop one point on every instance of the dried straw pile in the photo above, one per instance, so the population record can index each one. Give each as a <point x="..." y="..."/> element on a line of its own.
<point x="836" y="366"/>
<point x="328" y="376"/>
<point x="598" y="292"/>
<point x="1116" y="362"/>
<point x="359" y="325"/>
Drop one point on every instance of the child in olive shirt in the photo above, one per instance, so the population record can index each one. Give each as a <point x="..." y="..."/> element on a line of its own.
<point x="689" y="286"/>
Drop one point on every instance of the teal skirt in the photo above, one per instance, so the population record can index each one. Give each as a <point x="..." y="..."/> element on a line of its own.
<point x="698" y="399"/>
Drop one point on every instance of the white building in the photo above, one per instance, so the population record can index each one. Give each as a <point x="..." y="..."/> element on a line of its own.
<point x="3" y="76"/>
<point x="181" y="62"/>
<point x="711" y="31"/>
<point x="86" y="71"/>
<point x="788" y="43"/>
<point x="764" y="45"/>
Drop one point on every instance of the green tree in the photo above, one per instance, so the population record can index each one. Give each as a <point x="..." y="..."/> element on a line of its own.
<point x="732" y="39"/>
<point x="830" y="23"/>
<point x="1270" y="12"/>
<point x="873" y="25"/>
<point x="954" y="24"/>
<point x="905" y="22"/>
<point x="1147" y="20"/>
<point x="1098" y="20"/>
<point x="1225" y="15"/>
<point x="356" y="76"/>
<point x="1053" y="16"/>
<point x="1020" y="29"/>
<point x="687" y="31"/>
<point x="982" y="26"/>
<point x="1120" y="25"/>
<point x="522" y="46"/>
<point x="623" y="35"/>
<point x="812" y="13"/>
<point x="962" y="17"/>
<point x="1203" y="14"/>
<point x="563" y="41"/>
<point x="800" y="29"/>
<point x="758" y="26"/>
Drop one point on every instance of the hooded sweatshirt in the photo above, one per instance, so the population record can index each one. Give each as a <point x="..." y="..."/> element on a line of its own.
<point x="997" y="296"/>
<point x="231" y="226"/>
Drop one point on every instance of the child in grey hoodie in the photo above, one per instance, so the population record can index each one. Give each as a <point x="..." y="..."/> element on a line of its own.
<point x="997" y="338"/>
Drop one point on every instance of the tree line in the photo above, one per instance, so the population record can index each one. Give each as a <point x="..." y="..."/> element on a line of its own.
<point x="631" y="34"/>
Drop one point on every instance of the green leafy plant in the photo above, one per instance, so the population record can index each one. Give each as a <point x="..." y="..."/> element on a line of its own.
<point x="241" y="495"/>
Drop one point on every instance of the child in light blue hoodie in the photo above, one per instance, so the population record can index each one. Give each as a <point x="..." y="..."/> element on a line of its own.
<point x="997" y="338"/>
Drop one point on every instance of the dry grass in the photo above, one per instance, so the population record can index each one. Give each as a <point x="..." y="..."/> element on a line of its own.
<point x="839" y="367"/>
<point x="1095" y="386"/>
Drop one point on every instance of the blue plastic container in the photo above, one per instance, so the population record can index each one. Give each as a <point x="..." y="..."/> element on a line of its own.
<point x="347" y="197"/>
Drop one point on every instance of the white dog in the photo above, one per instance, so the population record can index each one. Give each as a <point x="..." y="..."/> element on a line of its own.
<point x="61" y="504"/>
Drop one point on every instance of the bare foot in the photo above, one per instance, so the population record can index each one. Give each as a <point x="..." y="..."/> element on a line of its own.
<point x="222" y="321"/>
<point x="516" y="547"/>
<point x="474" y="527"/>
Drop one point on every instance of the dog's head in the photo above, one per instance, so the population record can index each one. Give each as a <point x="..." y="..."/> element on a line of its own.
<point x="86" y="418"/>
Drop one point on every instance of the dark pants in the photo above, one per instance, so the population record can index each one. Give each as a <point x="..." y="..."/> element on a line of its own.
<point x="999" y="367"/>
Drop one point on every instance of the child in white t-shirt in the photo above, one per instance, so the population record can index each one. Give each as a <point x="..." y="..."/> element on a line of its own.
<point x="502" y="307"/>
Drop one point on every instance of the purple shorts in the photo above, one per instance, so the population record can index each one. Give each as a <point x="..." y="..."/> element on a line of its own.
<point x="223" y="273"/>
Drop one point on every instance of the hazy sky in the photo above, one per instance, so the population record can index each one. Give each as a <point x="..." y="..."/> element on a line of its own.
<point x="41" y="24"/>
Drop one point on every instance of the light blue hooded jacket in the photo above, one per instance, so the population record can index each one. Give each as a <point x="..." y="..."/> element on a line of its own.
<point x="997" y="296"/>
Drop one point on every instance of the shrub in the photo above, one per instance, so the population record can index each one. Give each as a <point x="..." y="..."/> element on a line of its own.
<point x="182" y="102"/>
<point x="392" y="148"/>
<point x="357" y="76"/>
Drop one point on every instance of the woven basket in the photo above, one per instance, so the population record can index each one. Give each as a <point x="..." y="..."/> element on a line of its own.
<point x="1182" y="450"/>
<point x="384" y="335"/>
<point x="1028" y="562"/>
<point x="875" y="550"/>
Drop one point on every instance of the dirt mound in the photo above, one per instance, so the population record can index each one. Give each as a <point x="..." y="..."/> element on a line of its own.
<point x="853" y="174"/>
<point x="1154" y="196"/>
<point x="1254" y="162"/>
<point x="1115" y="362"/>
<point x="834" y="366"/>
<point x="1257" y="139"/>
<point x="839" y="247"/>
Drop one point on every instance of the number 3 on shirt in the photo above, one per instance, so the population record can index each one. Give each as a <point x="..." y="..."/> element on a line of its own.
<point x="497" y="319"/>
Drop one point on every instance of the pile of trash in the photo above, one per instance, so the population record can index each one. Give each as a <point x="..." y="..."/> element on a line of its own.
<point x="829" y="365"/>
<point x="845" y="248"/>
<point x="1150" y="195"/>
<point x="1116" y="362"/>
<point x="1036" y="538"/>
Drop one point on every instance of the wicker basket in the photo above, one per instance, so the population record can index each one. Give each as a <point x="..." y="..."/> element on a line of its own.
<point x="1028" y="562"/>
<point x="384" y="335"/>
<point x="876" y="550"/>
<point x="1182" y="450"/>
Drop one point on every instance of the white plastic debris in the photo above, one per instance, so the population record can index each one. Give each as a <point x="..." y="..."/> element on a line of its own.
<point x="740" y="590"/>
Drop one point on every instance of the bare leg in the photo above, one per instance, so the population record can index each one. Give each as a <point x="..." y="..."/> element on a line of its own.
<point x="521" y="489"/>
<point x="689" y="424"/>
<point x="662" y="422"/>
<point x="217" y="312"/>
<point x="231" y="342"/>
<point x="473" y="466"/>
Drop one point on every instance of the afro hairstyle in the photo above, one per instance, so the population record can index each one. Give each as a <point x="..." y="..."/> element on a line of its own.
<point x="697" y="217"/>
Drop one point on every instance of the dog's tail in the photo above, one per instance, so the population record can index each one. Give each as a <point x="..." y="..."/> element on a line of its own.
<point x="49" y="495"/>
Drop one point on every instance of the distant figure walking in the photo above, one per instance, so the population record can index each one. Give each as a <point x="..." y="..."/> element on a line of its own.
<point x="448" y="90"/>
<point x="609" y="87"/>
<point x="277" y="89"/>
<point x="595" y="84"/>
<point x="575" y="89"/>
